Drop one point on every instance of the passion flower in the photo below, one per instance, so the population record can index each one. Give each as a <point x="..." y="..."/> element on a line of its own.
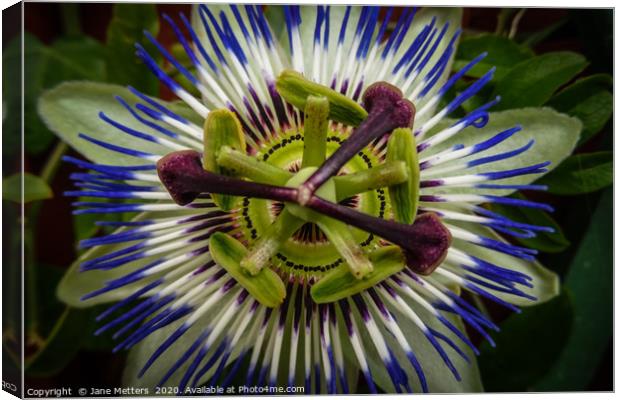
<point x="309" y="228"/>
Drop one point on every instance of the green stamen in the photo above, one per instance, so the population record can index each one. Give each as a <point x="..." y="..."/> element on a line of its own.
<point x="296" y="89"/>
<point x="270" y="241"/>
<point x="285" y="225"/>
<point x="339" y="283"/>
<point x="221" y="128"/>
<point x="266" y="286"/>
<point x="404" y="197"/>
<point x="243" y="165"/>
<point x="315" y="131"/>
<point x="384" y="175"/>
<point x="341" y="238"/>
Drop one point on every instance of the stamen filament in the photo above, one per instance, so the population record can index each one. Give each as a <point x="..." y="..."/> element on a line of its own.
<point x="383" y="175"/>
<point x="270" y="241"/>
<point x="287" y="224"/>
<point x="243" y="165"/>
<point x="341" y="238"/>
<point x="315" y="131"/>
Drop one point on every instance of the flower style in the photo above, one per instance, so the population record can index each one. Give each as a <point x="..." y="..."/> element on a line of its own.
<point x="323" y="220"/>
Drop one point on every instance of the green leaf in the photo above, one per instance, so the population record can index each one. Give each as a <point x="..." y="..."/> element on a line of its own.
<point x="581" y="173"/>
<point x="77" y="58"/>
<point x="532" y="82"/>
<point x="35" y="61"/>
<point x="544" y="241"/>
<point x="60" y="329"/>
<point x="438" y="376"/>
<point x="62" y="344"/>
<point x="554" y="135"/>
<point x="35" y="188"/>
<point x="125" y="30"/>
<point x="527" y="346"/>
<point x="590" y="281"/>
<point x="537" y="37"/>
<point x="588" y="99"/>
<point x="503" y="53"/>
<point x="546" y="284"/>
<point x="73" y="107"/>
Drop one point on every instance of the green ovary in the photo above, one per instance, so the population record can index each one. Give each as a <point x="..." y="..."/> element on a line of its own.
<point x="308" y="253"/>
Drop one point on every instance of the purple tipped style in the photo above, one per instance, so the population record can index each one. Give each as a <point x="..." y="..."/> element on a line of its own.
<point x="432" y="241"/>
<point x="387" y="110"/>
<point x="183" y="176"/>
<point x="425" y="242"/>
<point x="177" y="169"/>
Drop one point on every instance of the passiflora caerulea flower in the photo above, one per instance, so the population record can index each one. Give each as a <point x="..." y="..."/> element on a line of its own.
<point x="318" y="215"/>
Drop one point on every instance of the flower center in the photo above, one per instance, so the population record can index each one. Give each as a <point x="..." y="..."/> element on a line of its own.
<point x="312" y="195"/>
<point x="308" y="253"/>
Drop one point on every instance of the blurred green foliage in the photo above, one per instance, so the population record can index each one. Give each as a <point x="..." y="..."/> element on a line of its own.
<point x="56" y="332"/>
<point x="557" y="346"/>
<point x="35" y="188"/>
<point x="590" y="281"/>
<point x="527" y="348"/>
